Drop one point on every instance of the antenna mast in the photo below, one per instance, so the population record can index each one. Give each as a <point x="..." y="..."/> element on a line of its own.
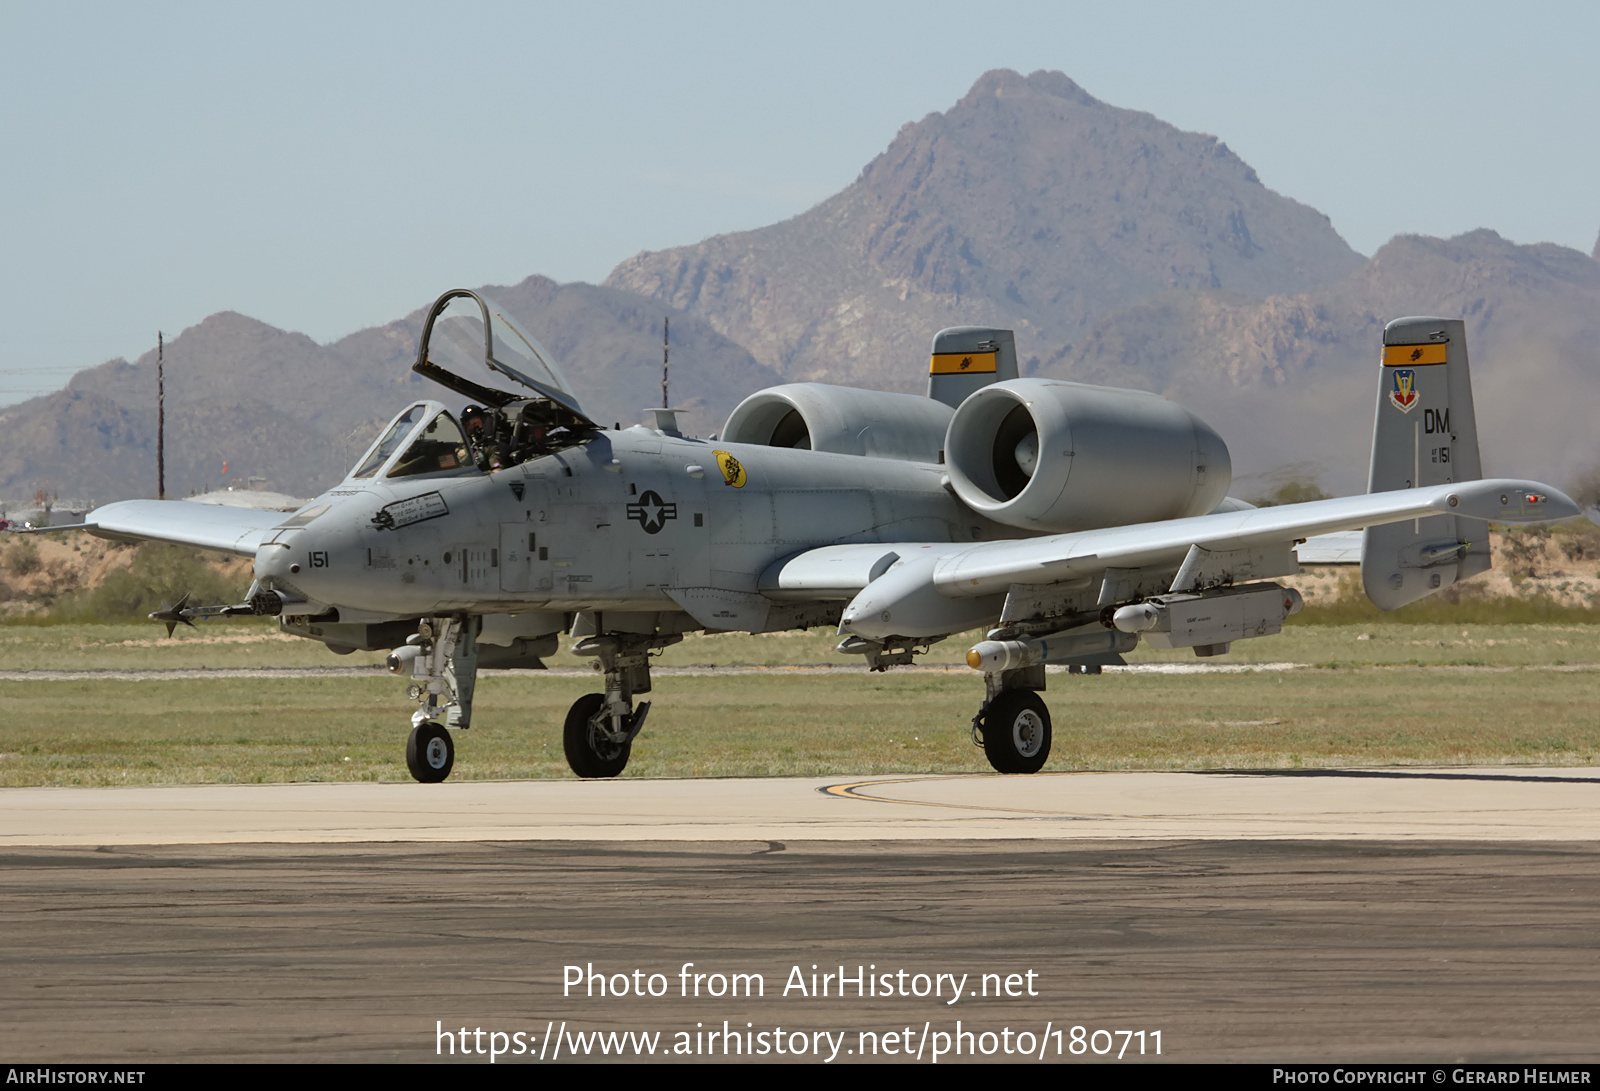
<point x="666" y="327"/>
<point x="161" y="420"/>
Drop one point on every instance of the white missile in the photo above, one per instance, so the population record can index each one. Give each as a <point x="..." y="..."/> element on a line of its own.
<point x="400" y="660"/>
<point x="991" y="656"/>
<point x="1141" y="617"/>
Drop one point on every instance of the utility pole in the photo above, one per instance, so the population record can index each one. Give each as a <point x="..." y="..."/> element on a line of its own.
<point x="161" y="420"/>
<point x="666" y="326"/>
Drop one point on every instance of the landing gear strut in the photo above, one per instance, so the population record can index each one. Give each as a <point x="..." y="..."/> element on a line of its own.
<point x="1013" y="726"/>
<point x="600" y="728"/>
<point x="443" y="658"/>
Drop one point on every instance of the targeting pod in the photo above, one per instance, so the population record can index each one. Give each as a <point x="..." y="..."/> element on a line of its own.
<point x="1210" y="622"/>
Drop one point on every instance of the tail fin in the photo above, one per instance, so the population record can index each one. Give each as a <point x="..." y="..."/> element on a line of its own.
<point x="1425" y="434"/>
<point x="968" y="358"/>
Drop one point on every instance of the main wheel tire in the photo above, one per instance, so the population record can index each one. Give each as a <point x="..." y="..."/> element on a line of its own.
<point x="430" y="753"/>
<point x="1016" y="732"/>
<point x="589" y="753"/>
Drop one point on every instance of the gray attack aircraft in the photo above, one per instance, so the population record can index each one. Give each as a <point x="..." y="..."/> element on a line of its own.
<point x="1070" y="521"/>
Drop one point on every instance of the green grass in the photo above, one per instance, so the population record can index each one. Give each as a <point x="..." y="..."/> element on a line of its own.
<point x="1434" y="610"/>
<point x="1454" y="694"/>
<point x="145" y="646"/>
<point x="257" y="644"/>
<point x="1439" y="645"/>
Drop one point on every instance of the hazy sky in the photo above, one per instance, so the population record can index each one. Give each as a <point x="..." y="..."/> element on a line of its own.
<point x="328" y="167"/>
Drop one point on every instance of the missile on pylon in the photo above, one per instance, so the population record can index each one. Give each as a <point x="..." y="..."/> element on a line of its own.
<point x="991" y="656"/>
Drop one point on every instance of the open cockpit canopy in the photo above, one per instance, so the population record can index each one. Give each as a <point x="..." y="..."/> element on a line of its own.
<point x="469" y="341"/>
<point x="472" y="345"/>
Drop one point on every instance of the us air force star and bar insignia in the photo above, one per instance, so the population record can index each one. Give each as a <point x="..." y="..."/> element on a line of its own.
<point x="732" y="471"/>
<point x="651" y="512"/>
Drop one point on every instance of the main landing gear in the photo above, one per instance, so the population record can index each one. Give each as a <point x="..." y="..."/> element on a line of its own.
<point x="594" y="745"/>
<point x="442" y="657"/>
<point x="1013" y="725"/>
<point x="600" y="728"/>
<point x="1016" y="732"/>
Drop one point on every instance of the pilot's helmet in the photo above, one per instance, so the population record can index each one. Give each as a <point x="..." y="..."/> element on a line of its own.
<point x="472" y="419"/>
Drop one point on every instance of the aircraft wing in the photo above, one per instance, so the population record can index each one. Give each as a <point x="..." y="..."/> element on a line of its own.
<point x="987" y="568"/>
<point x="942" y="588"/>
<point x="991" y="567"/>
<point x="1341" y="548"/>
<point x="183" y="522"/>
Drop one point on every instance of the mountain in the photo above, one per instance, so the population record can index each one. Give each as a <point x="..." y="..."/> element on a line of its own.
<point x="1292" y="379"/>
<point x="1029" y="204"/>
<point x="275" y="404"/>
<point x="1122" y="250"/>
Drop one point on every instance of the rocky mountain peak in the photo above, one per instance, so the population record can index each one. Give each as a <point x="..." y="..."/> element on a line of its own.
<point x="1029" y="204"/>
<point x="1005" y="83"/>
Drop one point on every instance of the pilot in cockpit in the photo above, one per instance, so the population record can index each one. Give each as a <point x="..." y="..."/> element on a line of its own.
<point x="493" y="442"/>
<point x="476" y="425"/>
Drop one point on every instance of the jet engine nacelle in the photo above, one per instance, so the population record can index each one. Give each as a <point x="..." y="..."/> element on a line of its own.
<point x="841" y="420"/>
<point x="1053" y="456"/>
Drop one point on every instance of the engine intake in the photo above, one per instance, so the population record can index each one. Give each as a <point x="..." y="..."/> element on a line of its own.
<point x="842" y="420"/>
<point x="1053" y="456"/>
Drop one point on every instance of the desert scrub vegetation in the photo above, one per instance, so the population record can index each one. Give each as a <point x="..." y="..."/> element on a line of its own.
<point x="158" y="576"/>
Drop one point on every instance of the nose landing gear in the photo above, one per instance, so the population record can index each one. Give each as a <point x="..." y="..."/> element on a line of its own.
<point x="430" y="753"/>
<point x="443" y="657"/>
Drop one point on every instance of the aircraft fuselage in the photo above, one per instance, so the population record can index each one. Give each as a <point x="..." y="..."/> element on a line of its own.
<point x="610" y="524"/>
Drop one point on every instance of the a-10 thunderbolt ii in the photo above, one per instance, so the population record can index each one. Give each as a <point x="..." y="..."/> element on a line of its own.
<point x="1069" y="520"/>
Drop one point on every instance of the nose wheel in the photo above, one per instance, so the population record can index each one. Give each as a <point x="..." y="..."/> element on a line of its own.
<point x="430" y="753"/>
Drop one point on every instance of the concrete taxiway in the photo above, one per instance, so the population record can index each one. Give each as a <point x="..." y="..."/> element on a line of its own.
<point x="1434" y="915"/>
<point x="1498" y="803"/>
